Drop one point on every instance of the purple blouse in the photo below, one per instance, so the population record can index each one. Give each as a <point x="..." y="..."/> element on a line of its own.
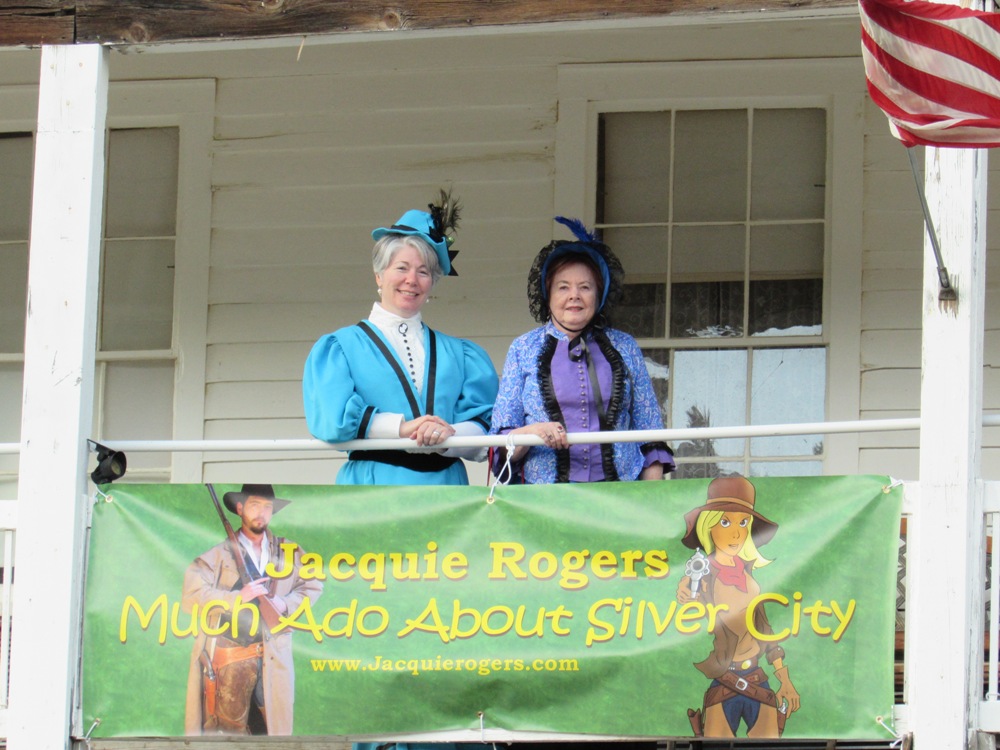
<point x="578" y="401"/>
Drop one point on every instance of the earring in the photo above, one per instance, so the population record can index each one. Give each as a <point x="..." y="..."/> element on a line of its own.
<point x="380" y="291"/>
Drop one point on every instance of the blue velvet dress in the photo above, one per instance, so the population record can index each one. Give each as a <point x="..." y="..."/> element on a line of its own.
<point x="354" y="373"/>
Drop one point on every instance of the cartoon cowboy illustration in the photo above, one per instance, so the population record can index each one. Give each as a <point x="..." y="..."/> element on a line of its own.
<point x="730" y="531"/>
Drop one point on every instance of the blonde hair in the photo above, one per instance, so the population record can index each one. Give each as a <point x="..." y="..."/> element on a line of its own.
<point x="709" y="519"/>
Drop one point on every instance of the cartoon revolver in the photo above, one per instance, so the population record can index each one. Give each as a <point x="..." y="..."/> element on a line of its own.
<point x="696" y="568"/>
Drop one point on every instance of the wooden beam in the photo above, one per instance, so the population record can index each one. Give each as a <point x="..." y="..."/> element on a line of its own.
<point x="36" y="22"/>
<point x="150" y="21"/>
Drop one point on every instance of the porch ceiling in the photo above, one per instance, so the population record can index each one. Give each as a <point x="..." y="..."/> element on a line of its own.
<point x="33" y="22"/>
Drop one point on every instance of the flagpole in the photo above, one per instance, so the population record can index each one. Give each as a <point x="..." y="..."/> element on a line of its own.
<point x="947" y="292"/>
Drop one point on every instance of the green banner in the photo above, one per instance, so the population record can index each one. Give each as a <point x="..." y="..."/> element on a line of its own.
<point x="564" y="608"/>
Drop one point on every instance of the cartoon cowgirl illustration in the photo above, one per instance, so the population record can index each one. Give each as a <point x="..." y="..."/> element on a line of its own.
<point x="730" y="531"/>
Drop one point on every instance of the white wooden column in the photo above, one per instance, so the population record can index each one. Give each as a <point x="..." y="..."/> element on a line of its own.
<point x="944" y="624"/>
<point x="58" y="394"/>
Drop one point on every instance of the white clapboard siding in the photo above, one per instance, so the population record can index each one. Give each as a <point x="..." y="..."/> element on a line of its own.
<point x="270" y="469"/>
<point x="890" y="309"/>
<point x="890" y="388"/>
<point x="310" y="149"/>
<point x="892" y="294"/>
<point x="326" y="205"/>
<point x="280" y="399"/>
<point x="277" y="360"/>
<point x="894" y="234"/>
<point x="896" y="462"/>
<point x="891" y="280"/>
<point x="895" y="439"/>
<point x="301" y="181"/>
<point x="908" y="259"/>
<point x="347" y="128"/>
<point x="484" y="237"/>
<point x="885" y="348"/>
<point x="254" y="428"/>
<point x="384" y="87"/>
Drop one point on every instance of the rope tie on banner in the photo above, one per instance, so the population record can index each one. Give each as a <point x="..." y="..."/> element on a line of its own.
<point x="506" y="471"/>
<point x="899" y="741"/>
<point x="482" y="730"/>
<point x="106" y="498"/>
<point x="892" y="484"/>
<point x="86" y="737"/>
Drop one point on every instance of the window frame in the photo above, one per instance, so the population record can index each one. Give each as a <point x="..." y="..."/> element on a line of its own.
<point x="189" y="106"/>
<point x="836" y="85"/>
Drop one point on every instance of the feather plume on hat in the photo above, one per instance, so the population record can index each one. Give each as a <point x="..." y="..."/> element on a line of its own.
<point x="432" y="226"/>
<point x="586" y="245"/>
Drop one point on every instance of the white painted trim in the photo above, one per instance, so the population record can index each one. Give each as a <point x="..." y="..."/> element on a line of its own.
<point x="944" y="613"/>
<point x="60" y="337"/>
<point x="188" y="105"/>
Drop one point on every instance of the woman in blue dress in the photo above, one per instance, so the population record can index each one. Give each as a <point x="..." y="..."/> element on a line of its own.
<point x="391" y="376"/>
<point x="576" y="374"/>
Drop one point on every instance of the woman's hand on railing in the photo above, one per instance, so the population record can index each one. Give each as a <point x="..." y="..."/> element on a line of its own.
<point x="426" y="431"/>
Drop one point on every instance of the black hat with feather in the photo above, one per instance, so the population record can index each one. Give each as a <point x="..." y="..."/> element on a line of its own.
<point x="588" y="248"/>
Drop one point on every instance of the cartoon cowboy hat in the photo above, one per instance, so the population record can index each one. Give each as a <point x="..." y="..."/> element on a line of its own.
<point x="734" y="493"/>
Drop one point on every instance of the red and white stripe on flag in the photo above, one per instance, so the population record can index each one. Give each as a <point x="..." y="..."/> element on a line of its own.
<point x="934" y="70"/>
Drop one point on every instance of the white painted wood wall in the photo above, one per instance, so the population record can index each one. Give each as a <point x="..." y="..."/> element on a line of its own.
<point x="311" y="148"/>
<point x="307" y="153"/>
<point x="892" y="280"/>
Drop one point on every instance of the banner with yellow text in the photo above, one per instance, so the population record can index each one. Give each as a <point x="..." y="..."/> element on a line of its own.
<point x="641" y="609"/>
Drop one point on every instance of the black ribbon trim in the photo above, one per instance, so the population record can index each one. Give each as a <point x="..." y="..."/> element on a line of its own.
<point x="431" y="370"/>
<point x="551" y="403"/>
<point x="616" y="399"/>
<point x="366" y="418"/>
<point x="403" y="380"/>
<point x="425" y="462"/>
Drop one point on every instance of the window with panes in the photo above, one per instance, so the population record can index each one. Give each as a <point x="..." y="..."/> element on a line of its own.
<point x="135" y="354"/>
<point x="719" y="217"/>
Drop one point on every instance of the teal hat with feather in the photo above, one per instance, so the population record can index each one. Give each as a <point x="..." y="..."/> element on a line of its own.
<point x="432" y="226"/>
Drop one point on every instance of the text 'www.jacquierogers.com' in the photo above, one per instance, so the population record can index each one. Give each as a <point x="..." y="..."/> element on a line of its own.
<point x="418" y="666"/>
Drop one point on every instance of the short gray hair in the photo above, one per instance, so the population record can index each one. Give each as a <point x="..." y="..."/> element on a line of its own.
<point x="387" y="247"/>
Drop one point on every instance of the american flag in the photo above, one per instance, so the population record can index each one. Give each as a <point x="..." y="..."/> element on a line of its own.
<point x="934" y="70"/>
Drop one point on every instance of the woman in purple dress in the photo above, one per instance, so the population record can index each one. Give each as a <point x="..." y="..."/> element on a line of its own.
<point x="575" y="374"/>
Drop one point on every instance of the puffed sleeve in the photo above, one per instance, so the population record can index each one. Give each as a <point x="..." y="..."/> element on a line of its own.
<point x="479" y="389"/>
<point x="508" y="411"/>
<point x="334" y="410"/>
